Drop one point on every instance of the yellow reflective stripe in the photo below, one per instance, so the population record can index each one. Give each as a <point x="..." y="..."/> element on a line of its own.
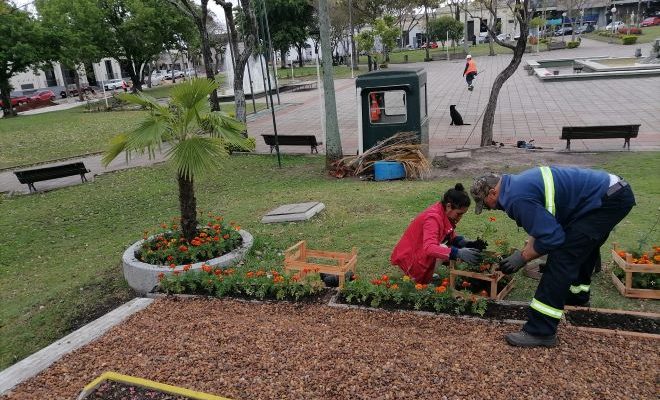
<point x="579" y="288"/>
<point x="549" y="185"/>
<point x="546" y="309"/>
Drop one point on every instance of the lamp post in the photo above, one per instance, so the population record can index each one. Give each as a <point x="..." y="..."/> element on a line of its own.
<point x="563" y="26"/>
<point x="613" y="24"/>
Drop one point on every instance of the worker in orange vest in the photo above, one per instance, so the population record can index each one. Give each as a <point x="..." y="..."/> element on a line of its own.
<point x="374" y="108"/>
<point x="470" y="71"/>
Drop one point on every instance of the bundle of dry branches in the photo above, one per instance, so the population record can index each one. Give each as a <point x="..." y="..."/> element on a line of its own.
<point x="403" y="147"/>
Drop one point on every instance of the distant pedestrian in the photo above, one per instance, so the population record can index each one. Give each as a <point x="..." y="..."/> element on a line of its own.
<point x="470" y="71"/>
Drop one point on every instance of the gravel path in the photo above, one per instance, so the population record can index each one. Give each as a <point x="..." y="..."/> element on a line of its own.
<point x="286" y="351"/>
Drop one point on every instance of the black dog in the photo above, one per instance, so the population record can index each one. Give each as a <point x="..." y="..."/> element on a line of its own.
<point x="456" y="118"/>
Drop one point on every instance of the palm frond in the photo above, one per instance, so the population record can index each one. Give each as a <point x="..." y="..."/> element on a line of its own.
<point x="192" y="97"/>
<point x="117" y="146"/>
<point x="198" y="155"/>
<point x="141" y="99"/>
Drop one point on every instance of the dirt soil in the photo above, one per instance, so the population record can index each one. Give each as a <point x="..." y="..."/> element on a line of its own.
<point x="510" y="160"/>
<point x="248" y="350"/>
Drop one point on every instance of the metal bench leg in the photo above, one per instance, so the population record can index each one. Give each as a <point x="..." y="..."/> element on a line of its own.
<point x="626" y="142"/>
<point x="314" y="149"/>
<point x="271" y="149"/>
<point x="32" y="188"/>
<point x="568" y="144"/>
<point x="83" y="178"/>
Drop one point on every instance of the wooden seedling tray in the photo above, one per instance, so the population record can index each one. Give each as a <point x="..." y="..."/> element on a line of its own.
<point x="625" y="288"/>
<point x="299" y="258"/>
<point x="493" y="278"/>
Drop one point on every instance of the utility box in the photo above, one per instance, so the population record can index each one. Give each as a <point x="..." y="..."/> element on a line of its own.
<point x="392" y="101"/>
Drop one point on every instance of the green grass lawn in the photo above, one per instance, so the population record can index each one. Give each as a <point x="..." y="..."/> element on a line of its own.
<point x="61" y="250"/>
<point x="30" y="139"/>
<point x="309" y="72"/>
<point x="649" y="34"/>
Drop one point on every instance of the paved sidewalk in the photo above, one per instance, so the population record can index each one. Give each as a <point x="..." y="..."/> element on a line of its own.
<point x="527" y="107"/>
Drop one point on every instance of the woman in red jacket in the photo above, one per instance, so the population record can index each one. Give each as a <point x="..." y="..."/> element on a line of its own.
<point x="430" y="236"/>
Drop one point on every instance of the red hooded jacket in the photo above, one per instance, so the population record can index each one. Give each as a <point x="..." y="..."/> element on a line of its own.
<point x="421" y="244"/>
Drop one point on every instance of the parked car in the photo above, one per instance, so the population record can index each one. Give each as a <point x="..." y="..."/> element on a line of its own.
<point x="432" y="45"/>
<point x="72" y="90"/>
<point x="651" y="21"/>
<point x="585" y="28"/>
<point x="566" y="30"/>
<point x="16" y="99"/>
<point x="189" y="72"/>
<point x="617" y="25"/>
<point x="42" y="95"/>
<point x="113" y="84"/>
<point x="177" y="74"/>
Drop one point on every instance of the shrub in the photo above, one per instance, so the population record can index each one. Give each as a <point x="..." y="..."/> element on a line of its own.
<point x="260" y="284"/>
<point x="629" y="39"/>
<point x="572" y="45"/>
<point x="171" y="248"/>
<point x="403" y="292"/>
<point x="249" y="145"/>
<point x="630" y="31"/>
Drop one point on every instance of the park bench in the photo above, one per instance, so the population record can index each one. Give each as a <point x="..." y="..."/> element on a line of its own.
<point x="300" y="86"/>
<point x="29" y="176"/>
<point x="599" y="132"/>
<point x="556" y="45"/>
<point x="293" y="140"/>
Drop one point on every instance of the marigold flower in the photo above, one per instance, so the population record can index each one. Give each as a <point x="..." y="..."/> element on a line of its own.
<point x="440" y="289"/>
<point x="250" y="274"/>
<point x="170" y="258"/>
<point x="492" y="219"/>
<point x="260" y="273"/>
<point x="195" y="242"/>
<point x="183" y="248"/>
<point x="209" y="224"/>
<point x="419" y="286"/>
<point x="225" y="236"/>
<point x="216" y="226"/>
<point x="406" y="278"/>
<point x="385" y="278"/>
<point x="237" y="227"/>
<point x="172" y="265"/>
<point x="161" y="276"/>
<point x="394" y="286"/>
<point x="295" y="278"/>
<point x="175" y="226"/>
<point x="217" y="272"/>
<point x="202" y="234"/>
<point x="187" y="267"/>
<point x="216" y="238"/>
<point x="206" y="268"/>
<point x="163" y="225"/>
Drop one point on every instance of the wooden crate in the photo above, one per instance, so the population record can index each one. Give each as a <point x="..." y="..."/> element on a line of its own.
<point x="493" y="278"/>
<point x="297" y="258"/>
<point x="625" y="288"/>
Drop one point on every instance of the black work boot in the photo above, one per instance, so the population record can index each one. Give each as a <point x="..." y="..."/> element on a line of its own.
<point x="524" y="339"/>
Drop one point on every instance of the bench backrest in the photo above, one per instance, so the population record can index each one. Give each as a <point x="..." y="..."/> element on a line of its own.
<point x="46" y="173"/>
<point x="600" y="132"/>
<point x="291" y="140"/>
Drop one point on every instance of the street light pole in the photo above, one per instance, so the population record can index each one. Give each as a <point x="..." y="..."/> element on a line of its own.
<point x="563" y="26"/>
<point x="613" y="24"/>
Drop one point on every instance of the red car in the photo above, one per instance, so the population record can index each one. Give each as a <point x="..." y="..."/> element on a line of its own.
<point x="43" y="95"/>
<point x="651" y="21"/>
<point x="16" y="101"/>
<point x="432" y="45"/>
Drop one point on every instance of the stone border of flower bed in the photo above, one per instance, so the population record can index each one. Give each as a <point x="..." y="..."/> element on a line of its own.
<point x="142" y="277"/>
<point x="39" y="361"/>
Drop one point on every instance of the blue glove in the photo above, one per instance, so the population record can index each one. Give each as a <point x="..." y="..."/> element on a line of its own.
<point x="512" y="263"/>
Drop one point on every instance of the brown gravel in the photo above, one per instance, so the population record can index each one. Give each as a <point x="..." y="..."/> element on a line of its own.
<point x="285" y="351"/>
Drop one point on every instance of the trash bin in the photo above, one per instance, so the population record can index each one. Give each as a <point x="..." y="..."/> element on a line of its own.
<point x="390" y="102"/>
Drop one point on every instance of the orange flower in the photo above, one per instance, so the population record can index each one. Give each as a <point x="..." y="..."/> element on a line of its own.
<point x="394" y="287"/>
<point x="225" y="236"/>
<point x="172" y="266"/>
<point x="217" y="272"/>
<point x="183" y="248"/>
<point x="161" y="276"/>
<point x="656" y="258"/>
<point x="163" y="225"/>
<point x="216" y="226"/>
<point x="385" y="278"/>
<point x="187" y="267"/>
<point x="440" y="289"/>
<point x="250" y="274"/>
<point x="295" y="278"/>
<point x="195" y="242"/>
<point x="170" y="258"/>
<point x="203" y="234"/>
<point x="492" y="219"/>
<point x="176" y="273"/>
<point x="260" y="273"/>
<point x="419" y="286"/>
<point x="206" y="268"/>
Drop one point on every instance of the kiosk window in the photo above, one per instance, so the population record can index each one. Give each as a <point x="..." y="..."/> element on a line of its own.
<point x="388" y="107"/>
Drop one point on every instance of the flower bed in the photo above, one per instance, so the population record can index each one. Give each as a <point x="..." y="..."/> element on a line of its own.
<point x="258" y="284"/>
<point x="403" y="293"/>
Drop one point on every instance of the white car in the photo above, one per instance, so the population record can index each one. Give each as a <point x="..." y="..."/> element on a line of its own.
<point x="617" y="25"/>
<point x="189" y="72"/>
<point x="113" y="84"/>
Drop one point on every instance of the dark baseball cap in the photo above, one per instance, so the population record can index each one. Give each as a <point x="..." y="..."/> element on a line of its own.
<point x="480" y="188"/>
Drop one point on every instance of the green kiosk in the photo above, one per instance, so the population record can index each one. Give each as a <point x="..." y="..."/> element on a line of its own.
<point x="392" y="101"/>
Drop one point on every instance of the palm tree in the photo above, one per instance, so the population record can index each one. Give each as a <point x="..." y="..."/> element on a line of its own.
<point x="197" y="139"/>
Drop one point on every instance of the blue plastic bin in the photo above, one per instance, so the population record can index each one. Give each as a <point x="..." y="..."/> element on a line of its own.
<point x="388" y="170"/>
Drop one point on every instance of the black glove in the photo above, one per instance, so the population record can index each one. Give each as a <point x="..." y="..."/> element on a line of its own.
<point x="476" y="244"/>
<point x="470" y="256"/>
<point x="512" y="263"/>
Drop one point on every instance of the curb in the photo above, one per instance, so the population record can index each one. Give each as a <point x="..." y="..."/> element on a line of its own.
<point x="39" y="361"/>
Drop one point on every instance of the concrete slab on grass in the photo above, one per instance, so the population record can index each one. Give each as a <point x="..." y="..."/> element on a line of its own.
<point x="39" y="361"/>
<point x="293" y="212"/>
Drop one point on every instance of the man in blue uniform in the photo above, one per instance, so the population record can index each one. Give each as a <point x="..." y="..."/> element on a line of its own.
<point x="569" y="213"/>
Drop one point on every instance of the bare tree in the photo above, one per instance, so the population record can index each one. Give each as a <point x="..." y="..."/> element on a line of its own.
<point x="240" y="57"/>
<point x="200" y="15"/>
<point x="573" y="10"/>
<point x="522" y="14"/>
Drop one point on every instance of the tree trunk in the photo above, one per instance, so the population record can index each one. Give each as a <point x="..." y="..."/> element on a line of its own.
<point x="426" y="17"/>
<point x="149" y="70"/>
<point x="206" y="53"/>
<point x="489" y="114"/>
<point x="333" y="151"/>
<point x="188" y="207"/>
<point x="283" y="59"/>
<point x="5" y="94"/>
<point x="135" y="79"/>
<point x="300" y="57"/>
<point x="81" y="94"/>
